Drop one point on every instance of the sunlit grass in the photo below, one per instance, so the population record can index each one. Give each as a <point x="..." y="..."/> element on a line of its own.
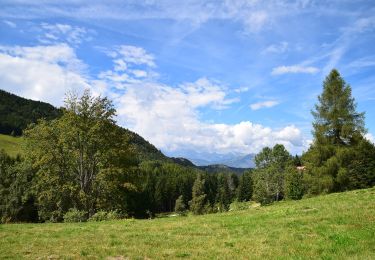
<point x="336" y="226"/>
<point x="11" y="145"/>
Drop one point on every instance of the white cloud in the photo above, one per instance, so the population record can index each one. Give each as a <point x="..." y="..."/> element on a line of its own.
<point x="276" y="48"/>
<point x="254" y="15"/>
<point x="263" y="104"/>
<point x="241" y="89"/>
<point x="370" y="137"/>
<point x="132" y="54"/>
<point x="42" y="72"/>
<point x="294" y="69"/>
<point x="170" y="116"/>
<point x="363" y="62"/>
<point x="10" y="24"/>
<point x="169" y="119"/>
<point x="167" y="116"/>
<point x="57" y="33"/>
<point x="255" y="21"/>
<point x="131" y="65"/>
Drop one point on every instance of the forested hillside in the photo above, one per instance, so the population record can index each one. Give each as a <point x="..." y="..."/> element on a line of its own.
<point x="16" y="113"/>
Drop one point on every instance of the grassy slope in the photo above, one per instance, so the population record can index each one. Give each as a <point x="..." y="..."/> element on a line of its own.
<point x="335" y="226"/>
<point x="11" y="145"/>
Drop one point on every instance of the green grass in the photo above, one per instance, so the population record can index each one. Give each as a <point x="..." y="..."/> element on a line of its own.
<point x="336" y="226"/>
<point x="11" y="145"/>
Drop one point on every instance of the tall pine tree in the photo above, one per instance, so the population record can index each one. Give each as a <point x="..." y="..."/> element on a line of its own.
<point x="336" y="120"/>
<point x="199" y="201"/>
<point x="338" y="134"/>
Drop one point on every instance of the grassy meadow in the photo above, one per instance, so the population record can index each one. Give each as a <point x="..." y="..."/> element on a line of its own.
<point x="335" y="226"/>
<point x="11" y="145"/>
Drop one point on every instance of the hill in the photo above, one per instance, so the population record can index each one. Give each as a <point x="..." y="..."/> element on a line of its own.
<point x="16" y="113"/>
<point x="335" y="226"/>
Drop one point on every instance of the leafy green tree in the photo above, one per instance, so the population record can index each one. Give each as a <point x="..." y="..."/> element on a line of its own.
<point x="16" y="199"/>
<point x="294" y="185"/>
<point x="269" y="176"/>
<point x="180" y="206"/>
<point x="70" y="152"/>
<point x="198" y="203"/>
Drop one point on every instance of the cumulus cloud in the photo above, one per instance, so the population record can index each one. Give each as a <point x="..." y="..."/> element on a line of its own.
<point x="263" y="104"/>
<point x="168" y="116"/>
<point x="41" y="72"/>
<point x="294" y="69"/>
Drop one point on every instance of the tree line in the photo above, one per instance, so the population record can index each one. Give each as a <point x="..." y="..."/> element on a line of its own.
<point x="83" y="166"/>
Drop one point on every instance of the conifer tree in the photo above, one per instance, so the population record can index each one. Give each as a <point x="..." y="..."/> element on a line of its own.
<point x="198" y="201"/>
<point x="338" y="131"/>
<point x="245" y="187"/>
<point x="336" y="120"/>
<point x="223" y="196"/>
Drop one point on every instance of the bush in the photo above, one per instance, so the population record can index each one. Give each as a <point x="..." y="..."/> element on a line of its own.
<point x="114" y="214"/>
<point x="99" y="216"/>
<point x="75" y="215"/>
<point x="103" y="215"/>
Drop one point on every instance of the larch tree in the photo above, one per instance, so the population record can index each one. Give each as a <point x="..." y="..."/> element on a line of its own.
<point x="338" y="131"/>
<point x="336" y="120"/>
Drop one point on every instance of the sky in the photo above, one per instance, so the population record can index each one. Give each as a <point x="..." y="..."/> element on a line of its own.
<point x="194" y="78"/>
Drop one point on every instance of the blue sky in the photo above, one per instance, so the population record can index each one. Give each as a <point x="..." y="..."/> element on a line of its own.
<point x="194" y="77"/>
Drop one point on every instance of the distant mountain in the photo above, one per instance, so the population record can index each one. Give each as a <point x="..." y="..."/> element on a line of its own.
<point x="218" y="168"/>
<point x="245" y="161"/>
<point x="233" y="160"/>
